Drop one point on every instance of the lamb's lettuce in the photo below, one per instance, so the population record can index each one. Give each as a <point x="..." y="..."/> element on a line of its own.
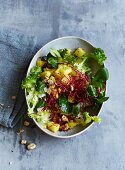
<point x="102" y="75"/>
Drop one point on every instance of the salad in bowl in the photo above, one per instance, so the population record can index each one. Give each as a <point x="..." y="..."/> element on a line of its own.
<point x="63" y="86"/>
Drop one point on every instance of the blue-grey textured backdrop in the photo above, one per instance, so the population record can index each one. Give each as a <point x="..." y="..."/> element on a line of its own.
<point x="103" y="23"/>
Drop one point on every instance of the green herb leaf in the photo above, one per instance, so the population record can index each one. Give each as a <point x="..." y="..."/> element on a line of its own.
<point x="76" y="109"/>
<point x="96" y="119"/>
<point x="64" y="52"/>
<point x="32" y="99"/>
<point x="31" y="79"/>
<point x="102" y="75"/>
<point x="99" y="55"/>
<point x="103" y="99"/>
<point x="55" y="53"/>
<point x="41" y="103"/>
<point x="40" y="87"/>
<point x="89" y="118"/>
<point x="64" y="104"/>
<point x="92" y="91"/>
<point x="81" y="64"/>
<point x="53" y="61"/>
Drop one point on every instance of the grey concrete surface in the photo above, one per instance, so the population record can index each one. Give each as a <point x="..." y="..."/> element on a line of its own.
<point x="103" y="146"/>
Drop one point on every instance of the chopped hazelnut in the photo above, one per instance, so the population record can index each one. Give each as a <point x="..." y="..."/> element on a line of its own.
<point x="23" y="142"/>
<point x="59" y="90"/>
<point x="13" y="97"/>
<point x="72" y="88"/>
<point x="64" y="127"/>
<point x="64" y="118"/>
<point x="71" y="99"/>
<point x="31" y="146"/>
<point x="57" y="96"/>
<point x="20" y="131"/>
<point x="26" y="123"/>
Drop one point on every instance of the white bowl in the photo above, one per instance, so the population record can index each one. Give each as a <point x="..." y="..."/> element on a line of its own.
<point x="72" y="43"/>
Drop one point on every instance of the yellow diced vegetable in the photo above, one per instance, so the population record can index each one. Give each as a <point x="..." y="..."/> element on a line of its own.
<point x="72" y="124"/>
<point x="73" y="73"/>
<point x="63" y="70"/>
<point x="40" y="63"/>
<point x="79" y="52"/>
<point x="54" y="127"/>
<point x="65" y="80"/>
<point x="56" y="74"/>
<point x="47" y="73"/>
<point x="51" y="80"/>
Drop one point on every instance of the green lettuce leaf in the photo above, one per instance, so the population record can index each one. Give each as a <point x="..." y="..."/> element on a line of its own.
<point x="99" y="55"/>
<point x="31" y="79"/>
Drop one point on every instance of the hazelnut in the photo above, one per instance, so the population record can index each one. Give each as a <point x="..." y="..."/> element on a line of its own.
<point x="64" y="118"/>
<point x="31" y="146"/>
<point x="26" y="123"/>
<point x="13" y="97"/>
<point x="23" y="142"/>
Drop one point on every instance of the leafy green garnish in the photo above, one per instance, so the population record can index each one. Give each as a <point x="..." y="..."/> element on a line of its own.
<point x="99" y="55"/>
<point x="96" y="119"/>
<point x="53" y="61"/>
<point x="53" y="57"/>
<point x="92" y="90"/>
<point x="89" y="118"/>
<point x="42" y="117"/>
<point x="64" y="104"/>
<point x="32" y="99"/>
<point x="76" y="109"/>
<point x="98" y="82"/>
<point x="40" y="87"/>
<point x="64" y="52"/>
<point x="40" y="104"/>
<point x="102" y="75"/>
<point x="82" y="65"/>
<point x="55" y="53"/>
<point x="103" y="99"/>
<point x="66" y="55"/>
<point x="31" y="79"/>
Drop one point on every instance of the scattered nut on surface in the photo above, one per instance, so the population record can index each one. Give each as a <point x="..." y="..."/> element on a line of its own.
<point x="13" y="97"/>
<point x="26" y="123"/>
<point x="31" y="146"/>
<point x="23" y="142"/>
<point x="20" y="131"/>
<point x="64" y="118"/>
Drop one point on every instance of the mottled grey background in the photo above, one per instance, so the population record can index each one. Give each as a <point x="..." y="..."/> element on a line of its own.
<point x="103" y="23"/>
